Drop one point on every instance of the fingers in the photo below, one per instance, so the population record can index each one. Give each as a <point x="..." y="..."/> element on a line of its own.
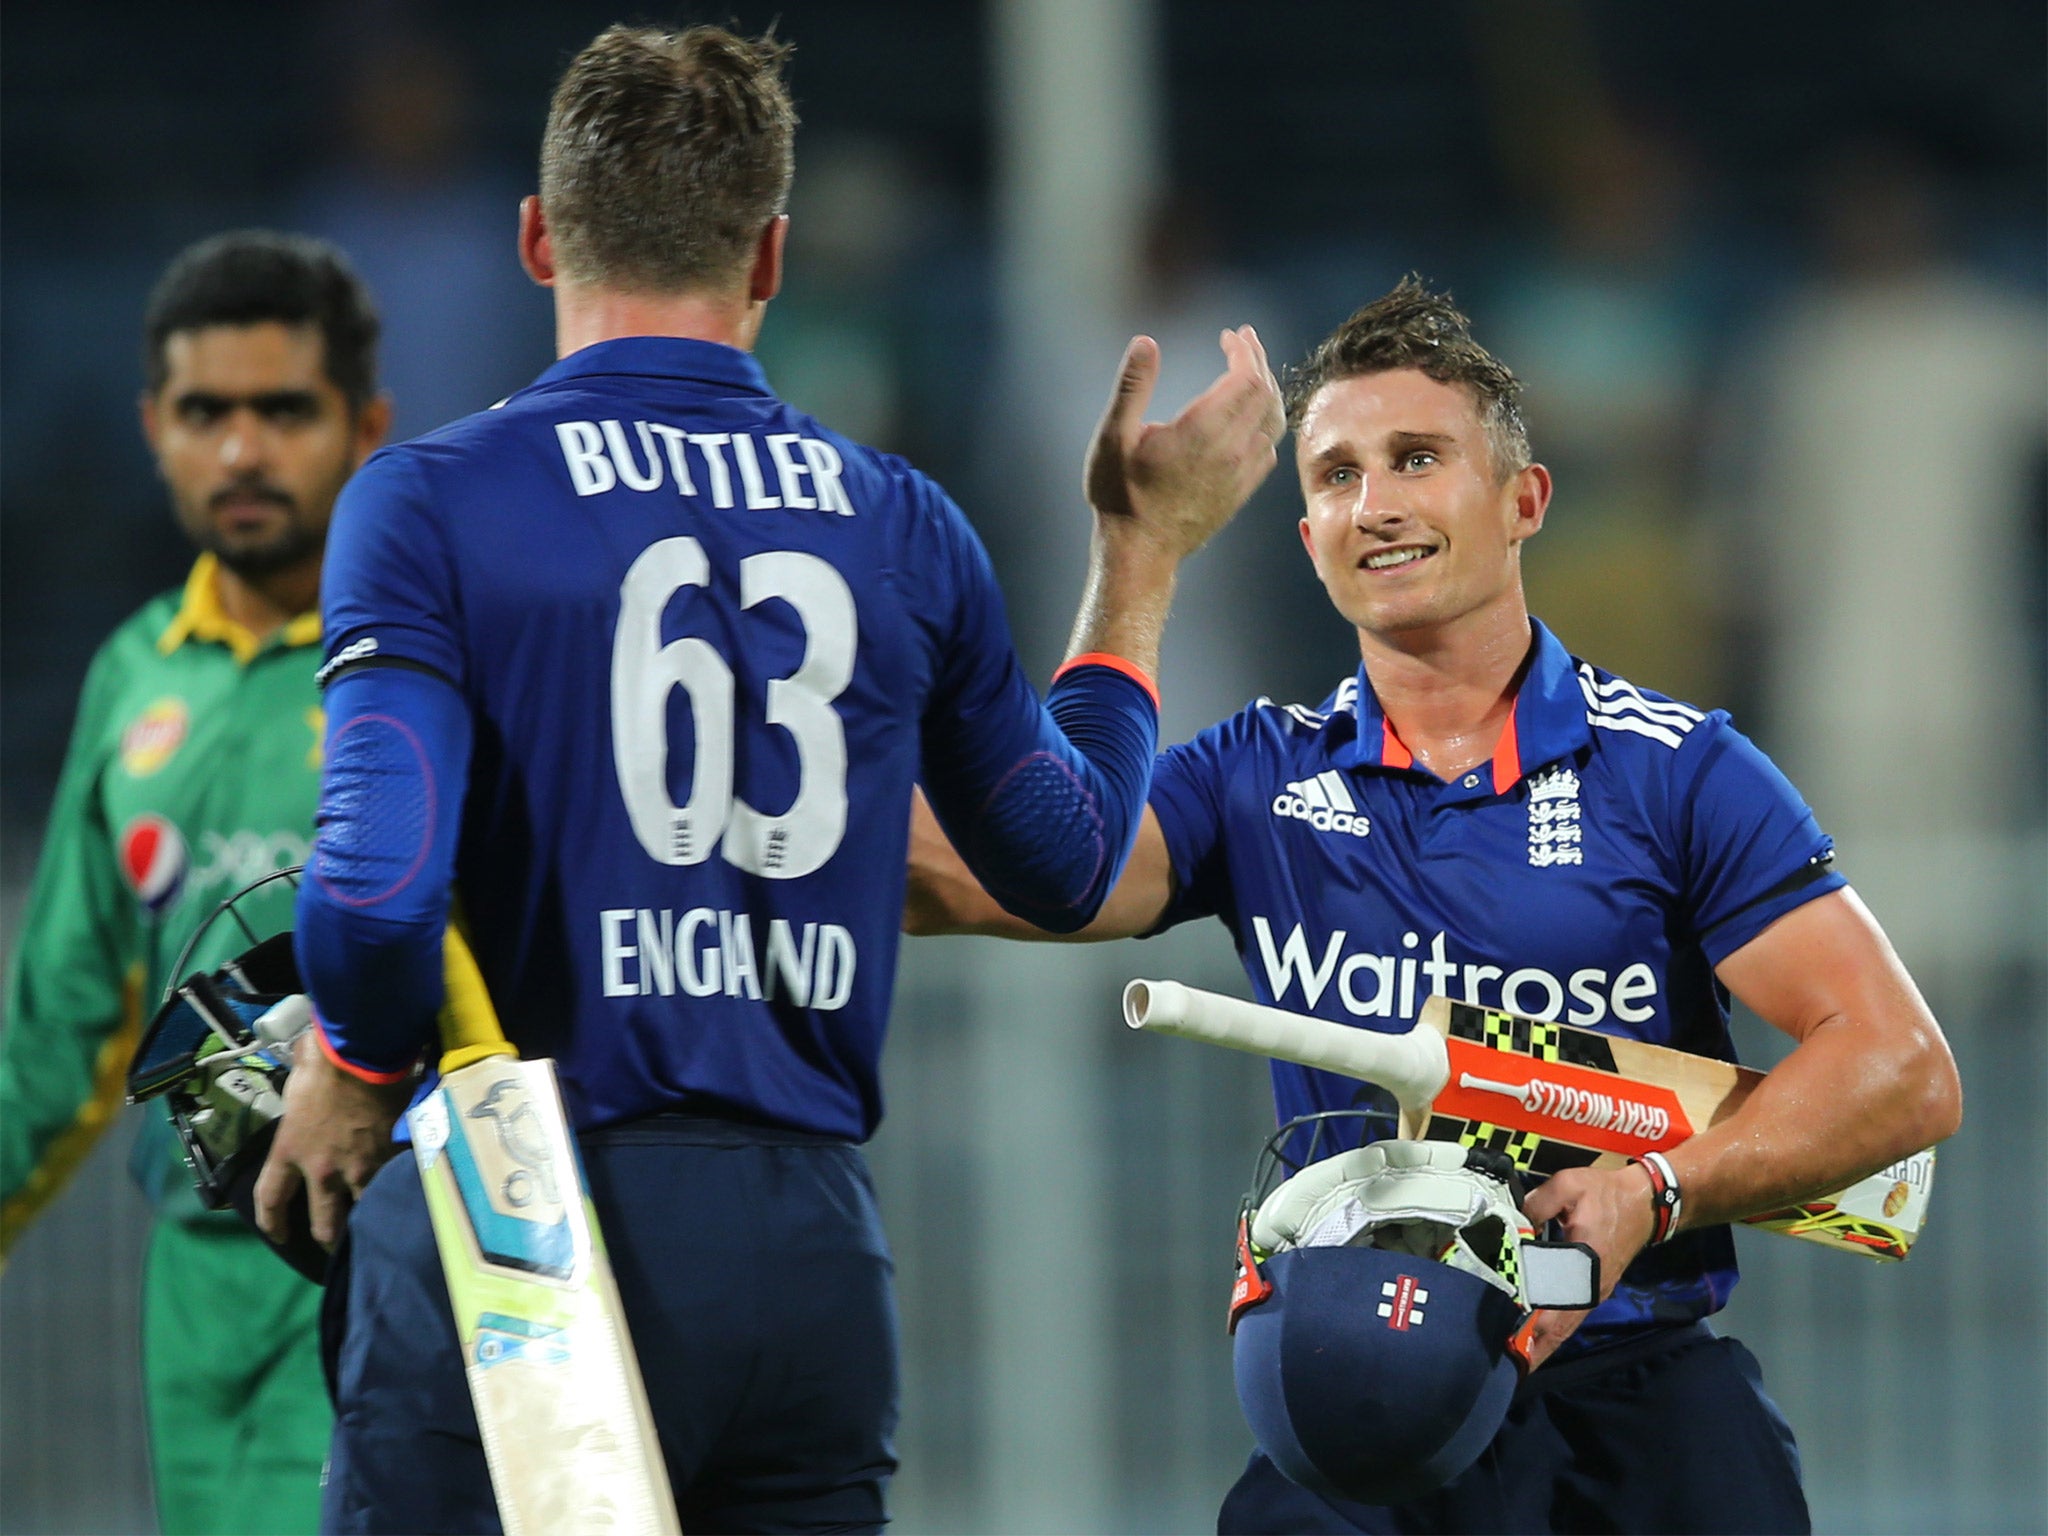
<point x="1547" y="1330"/>
<point x="1246" y="393"/>
<point x="1136" y="376"/>
<point x="1544" y="1201"/>
<point x="276" y="1187"/>
<point x="327" y="1207"/>
<point x="1276" y="408"/>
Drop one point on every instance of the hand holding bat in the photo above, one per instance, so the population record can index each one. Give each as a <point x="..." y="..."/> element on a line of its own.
<point x="1551" y="1096"/>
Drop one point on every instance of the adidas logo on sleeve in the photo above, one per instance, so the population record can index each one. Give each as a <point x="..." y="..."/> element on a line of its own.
<point x="1325" y="803"/>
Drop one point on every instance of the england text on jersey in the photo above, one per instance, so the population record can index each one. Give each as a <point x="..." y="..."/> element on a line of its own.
<point x="708" y="952"/>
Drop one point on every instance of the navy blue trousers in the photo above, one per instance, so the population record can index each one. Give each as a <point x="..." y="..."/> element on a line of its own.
<point x="756" y="1283"/>
<point x="1666" y="1435"/>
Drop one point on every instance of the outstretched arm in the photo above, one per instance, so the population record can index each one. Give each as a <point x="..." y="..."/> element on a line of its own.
<point x="944" y="897"/>
<point x="1871" y="1081"/>
<point x="1043" y="803"/>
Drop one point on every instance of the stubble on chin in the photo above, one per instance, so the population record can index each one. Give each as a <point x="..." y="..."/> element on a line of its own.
<point x="253" y="560"/>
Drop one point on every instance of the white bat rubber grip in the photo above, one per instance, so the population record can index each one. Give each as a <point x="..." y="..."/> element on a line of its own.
<point x="1414" y="1066"/>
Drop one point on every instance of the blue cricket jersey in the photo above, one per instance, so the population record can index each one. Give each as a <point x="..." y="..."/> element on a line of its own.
<point x="703" y="647"/>
<point x="1617" y="848"/>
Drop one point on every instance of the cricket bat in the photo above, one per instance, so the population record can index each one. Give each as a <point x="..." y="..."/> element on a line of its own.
<point x="559" y="1401"/>
<point x="1550" y="1096"/>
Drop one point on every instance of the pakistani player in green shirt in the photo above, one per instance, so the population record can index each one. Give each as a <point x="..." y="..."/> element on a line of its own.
<point x="193" y="768"/>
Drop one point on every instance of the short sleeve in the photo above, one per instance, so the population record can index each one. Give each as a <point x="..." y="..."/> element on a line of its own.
<point x="1752" y="849"/>
<point x="1189" y="791"/>
<point x="387" y="590"/>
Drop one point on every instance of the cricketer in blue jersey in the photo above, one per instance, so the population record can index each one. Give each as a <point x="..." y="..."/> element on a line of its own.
<point x="640" y="667"/>
<point x="1478" y="813"/>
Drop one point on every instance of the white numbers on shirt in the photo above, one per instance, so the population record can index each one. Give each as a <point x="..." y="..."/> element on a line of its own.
<point x="644" y="671"/>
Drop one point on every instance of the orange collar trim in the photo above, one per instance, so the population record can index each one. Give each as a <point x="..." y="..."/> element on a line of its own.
<point x="1507" y="755"/>
<point x="1394" y="752"/>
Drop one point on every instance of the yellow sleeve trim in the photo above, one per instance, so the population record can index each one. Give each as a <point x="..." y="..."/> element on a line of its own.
<point x="71" y="1146"/>
<point x="469" y="1022"/>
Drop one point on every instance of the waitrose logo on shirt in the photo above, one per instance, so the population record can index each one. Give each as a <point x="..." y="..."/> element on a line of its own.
<point x="1372" y="986"/>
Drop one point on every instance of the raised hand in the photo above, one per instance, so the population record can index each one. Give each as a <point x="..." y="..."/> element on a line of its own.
<point x="1176" y="483"/>
<point x="1160" y="490"/>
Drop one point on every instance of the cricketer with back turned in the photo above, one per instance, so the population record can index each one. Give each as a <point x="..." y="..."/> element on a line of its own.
<point x="639" y="668"/>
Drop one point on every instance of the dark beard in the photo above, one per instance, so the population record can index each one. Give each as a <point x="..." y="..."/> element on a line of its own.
<point x="252" y="562"/>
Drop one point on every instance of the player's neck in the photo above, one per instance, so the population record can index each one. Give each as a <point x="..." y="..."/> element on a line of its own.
<point x="265" y="606"/>
<point x="585" y="316"/>
<point x="1449" y="689"/>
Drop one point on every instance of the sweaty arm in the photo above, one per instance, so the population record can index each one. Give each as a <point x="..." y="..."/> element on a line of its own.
<point x="1870" y="1081"/>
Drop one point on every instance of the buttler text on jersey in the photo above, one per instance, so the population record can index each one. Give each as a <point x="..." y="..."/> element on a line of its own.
<point x="1393" y="986"/>
<point x="779" y="470"/>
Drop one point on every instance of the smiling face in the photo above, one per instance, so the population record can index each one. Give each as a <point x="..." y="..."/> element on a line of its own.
<point x="255" y="442"/>
<point x="1410" y="523"/>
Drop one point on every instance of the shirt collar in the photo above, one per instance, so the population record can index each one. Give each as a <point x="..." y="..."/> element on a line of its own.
<point x="665" y="357"/>
<point x="1548" y="720"/>
<point x="200" y="616"/>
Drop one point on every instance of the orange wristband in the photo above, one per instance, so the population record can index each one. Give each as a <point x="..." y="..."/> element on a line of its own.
<point x="1129" y="669"/>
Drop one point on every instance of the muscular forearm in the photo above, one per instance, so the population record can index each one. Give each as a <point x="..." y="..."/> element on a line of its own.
<point x="1854" y="1097"/>
<point x="1871" y="1080"/>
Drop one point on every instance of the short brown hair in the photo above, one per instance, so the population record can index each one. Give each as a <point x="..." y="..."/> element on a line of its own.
<point x="1412" y="327"/>
<point x="665" y="156"/>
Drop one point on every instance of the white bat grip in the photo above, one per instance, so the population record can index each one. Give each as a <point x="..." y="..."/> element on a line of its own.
<point x="1414" y="1066"/>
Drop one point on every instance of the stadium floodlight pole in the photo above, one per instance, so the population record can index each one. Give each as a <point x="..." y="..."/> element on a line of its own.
<point x="1077" y="118"/>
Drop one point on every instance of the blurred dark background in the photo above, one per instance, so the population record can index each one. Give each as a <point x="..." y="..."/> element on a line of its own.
<point x="1774" y="276"/>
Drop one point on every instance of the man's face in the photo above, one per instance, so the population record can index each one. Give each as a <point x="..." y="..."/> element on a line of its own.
<point x="1406" y="520"/>
<point x="254" y="441"/>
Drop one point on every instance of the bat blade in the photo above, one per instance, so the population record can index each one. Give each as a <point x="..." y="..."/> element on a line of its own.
<point x="559" y="1401"/>
<point x="1549" y="1096"/>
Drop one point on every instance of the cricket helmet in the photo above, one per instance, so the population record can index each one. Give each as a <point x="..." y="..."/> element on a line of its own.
<point x="218" y="1052"/>
<point x="1380" y="1291"/>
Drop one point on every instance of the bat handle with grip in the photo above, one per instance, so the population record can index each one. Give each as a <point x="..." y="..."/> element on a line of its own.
<point x="1413" y="1066"/>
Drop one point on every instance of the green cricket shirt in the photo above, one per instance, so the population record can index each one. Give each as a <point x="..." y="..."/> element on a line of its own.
<point x="193" y="769"/>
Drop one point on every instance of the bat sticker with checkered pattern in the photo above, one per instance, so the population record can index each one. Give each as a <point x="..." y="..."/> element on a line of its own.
<point x="1550" y="1096"/>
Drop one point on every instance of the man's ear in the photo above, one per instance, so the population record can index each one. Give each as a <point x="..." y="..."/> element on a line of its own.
<point x="1308" y="541"/>
<point x="372" y="425"/>
<point x="1531" y="502"/>
<point x="536" y="247"/>
<point x="764" y="281"/>
<point x="152" y="420"/>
